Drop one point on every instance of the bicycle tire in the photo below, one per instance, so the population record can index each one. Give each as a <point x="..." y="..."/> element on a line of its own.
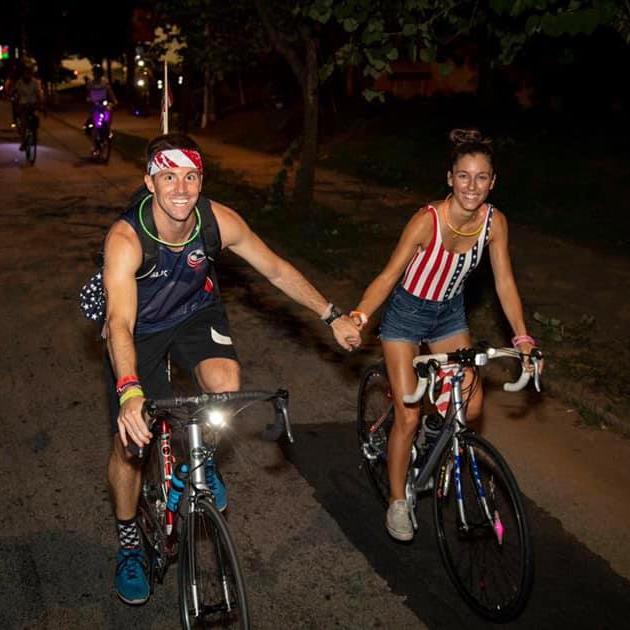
<point x="493" y="576"/>
<point x="208" y="554"/>
<point x="374" y="406"/>
<point x="30" y="146"/>
<point x="106" y="148"/>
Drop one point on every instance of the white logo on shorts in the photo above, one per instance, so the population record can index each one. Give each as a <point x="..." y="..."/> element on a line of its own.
<point x="217" y="337"/>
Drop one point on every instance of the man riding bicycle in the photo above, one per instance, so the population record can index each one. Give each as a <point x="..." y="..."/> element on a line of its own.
<point x="27" y="96"/>
<point x="175" y="310"/>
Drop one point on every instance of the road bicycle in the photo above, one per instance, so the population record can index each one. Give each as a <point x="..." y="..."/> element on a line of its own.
<point x="211" y="584"/>
<point x="28" y="125"/>
<point x="99" y="126"/>
<point x="480" y="522"/>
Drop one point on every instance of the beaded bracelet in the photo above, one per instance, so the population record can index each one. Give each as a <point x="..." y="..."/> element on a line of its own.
<point x="519" y="339"/>
<point x="132" y="392"/>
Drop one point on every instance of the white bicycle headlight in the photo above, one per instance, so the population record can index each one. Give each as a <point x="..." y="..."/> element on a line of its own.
<point x="216" y="419"/>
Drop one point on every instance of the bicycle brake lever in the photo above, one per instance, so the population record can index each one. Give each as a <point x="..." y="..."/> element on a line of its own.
<point x="135" y="450"/>
<point x="535" y="362"/>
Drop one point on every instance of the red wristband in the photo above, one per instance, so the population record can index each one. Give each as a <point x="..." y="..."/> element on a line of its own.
<point x="125" y="380"/>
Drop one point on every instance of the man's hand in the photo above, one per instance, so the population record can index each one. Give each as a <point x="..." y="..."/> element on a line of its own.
<point x="131" y="423"/>
<point x="346" y="333"/>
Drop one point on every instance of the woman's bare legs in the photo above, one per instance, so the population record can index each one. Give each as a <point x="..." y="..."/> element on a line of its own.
<point x="402" y="378"/>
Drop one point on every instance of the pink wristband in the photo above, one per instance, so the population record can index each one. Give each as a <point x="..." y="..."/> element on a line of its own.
<point x="519" y="339"/>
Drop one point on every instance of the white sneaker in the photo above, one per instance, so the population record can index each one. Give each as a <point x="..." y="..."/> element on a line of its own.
<point x="398" y="521"/>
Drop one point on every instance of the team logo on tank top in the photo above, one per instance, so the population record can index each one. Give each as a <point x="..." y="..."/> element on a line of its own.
<point x="195" y="258"/>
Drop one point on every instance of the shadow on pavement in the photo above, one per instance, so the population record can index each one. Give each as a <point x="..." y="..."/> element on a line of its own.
<point x="573" y="587"/>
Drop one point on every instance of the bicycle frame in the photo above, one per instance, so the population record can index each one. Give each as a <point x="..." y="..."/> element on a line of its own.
<point x="451" y="431"/>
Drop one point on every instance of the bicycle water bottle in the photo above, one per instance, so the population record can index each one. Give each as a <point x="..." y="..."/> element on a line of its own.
<point x="430" y="429"/>
<point x="178" y="483"/>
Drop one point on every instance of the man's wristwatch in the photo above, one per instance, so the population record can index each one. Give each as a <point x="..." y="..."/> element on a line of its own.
<point x="335" y="313"/>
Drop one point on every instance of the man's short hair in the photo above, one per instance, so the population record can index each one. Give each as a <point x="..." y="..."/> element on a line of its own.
<point x="171" y="141"/>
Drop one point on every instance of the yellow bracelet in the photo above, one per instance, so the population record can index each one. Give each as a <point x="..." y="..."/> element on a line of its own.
<point x="131" y="392"/>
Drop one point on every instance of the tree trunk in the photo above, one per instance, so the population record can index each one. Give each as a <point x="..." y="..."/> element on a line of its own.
<point x="241" y="91"/>
<point x="305" y="175"/>
<point x="209" y="113"/>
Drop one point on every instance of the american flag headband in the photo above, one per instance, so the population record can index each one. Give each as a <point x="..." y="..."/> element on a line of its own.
<point x="172" y="158"/>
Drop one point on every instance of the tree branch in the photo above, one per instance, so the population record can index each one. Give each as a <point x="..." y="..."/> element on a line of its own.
<point x="281" y="43"/>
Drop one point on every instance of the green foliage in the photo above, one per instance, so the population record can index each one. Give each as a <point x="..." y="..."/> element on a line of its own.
<point x="216" y="36"/>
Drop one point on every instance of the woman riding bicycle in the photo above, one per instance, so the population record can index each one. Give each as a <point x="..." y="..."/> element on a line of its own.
<point x="437" y="251"/>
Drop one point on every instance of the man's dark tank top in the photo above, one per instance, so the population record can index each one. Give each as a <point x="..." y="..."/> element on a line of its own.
<point x="179" y="286"/>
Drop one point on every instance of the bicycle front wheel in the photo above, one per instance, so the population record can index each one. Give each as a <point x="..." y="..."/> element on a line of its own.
<point x="482" y="530"/>
<point x="106" y="147"/>
<point x="30" y="146"/>
<point x="375" y="418"/>
<point x="211" y="584"/>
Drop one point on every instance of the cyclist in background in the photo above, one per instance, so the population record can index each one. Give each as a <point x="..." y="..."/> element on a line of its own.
<point x="99" y="92"/>
<point x="99" y="89"/>
<point x="27" y="96"/>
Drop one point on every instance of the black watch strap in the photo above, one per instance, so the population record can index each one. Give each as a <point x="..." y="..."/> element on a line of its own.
<point x="335" y="313"/>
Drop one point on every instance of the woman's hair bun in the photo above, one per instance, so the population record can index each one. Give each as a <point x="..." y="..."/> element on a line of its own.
<point x="468" y="136"/>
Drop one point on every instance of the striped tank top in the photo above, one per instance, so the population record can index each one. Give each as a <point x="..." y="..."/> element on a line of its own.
<point x="439" y="275"/>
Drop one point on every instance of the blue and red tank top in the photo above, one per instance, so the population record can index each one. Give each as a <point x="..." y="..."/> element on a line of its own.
<point x="179" y="285"/>
<point x="437" y="274"/>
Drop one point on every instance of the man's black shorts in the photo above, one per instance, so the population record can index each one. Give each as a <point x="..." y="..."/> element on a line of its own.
<point x="204" y="335"/>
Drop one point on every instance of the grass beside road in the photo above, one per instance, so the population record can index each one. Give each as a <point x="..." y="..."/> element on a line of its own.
<point x="563" y="174"/>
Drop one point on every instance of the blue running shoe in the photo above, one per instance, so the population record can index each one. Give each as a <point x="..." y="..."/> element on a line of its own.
<point x="216" y="485"/>
<point x="132" y="583"/>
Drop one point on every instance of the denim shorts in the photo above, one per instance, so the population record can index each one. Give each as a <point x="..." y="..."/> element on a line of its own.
<point x="415" y="320"/>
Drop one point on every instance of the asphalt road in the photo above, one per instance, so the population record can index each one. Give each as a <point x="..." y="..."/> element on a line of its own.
<point x="309" y="530"/>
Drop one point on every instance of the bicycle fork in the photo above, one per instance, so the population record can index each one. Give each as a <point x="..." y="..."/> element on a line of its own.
<point x="493" y="519"/>
<point x="197" y="457"/>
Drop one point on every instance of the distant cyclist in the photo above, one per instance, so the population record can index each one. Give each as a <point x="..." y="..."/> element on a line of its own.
<point x="99" y="89"/>
<point x="27" y="96"/>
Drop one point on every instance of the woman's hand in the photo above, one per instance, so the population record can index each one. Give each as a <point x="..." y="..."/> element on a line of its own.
<point x="525" y="348"/>
<point x="359" y="318"/>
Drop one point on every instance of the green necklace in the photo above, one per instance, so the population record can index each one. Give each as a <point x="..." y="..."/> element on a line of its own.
<point x="194" y="235"/>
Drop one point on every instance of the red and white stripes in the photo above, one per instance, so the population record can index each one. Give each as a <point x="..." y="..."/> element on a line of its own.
<point x="445" y="375"/>
<point x="173" y="158"/>
<point x="438" y="275"/>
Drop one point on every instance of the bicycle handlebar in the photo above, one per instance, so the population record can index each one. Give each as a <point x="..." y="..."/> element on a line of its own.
<point x="428" y="366"/>
<point x="272" y="432"/>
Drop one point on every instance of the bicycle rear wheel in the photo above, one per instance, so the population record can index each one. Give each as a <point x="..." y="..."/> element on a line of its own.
<point x="375" y="419"/>
<point x="211" y="584"/>
<point x="490" y="559"/>
<point x="30" y="146"/>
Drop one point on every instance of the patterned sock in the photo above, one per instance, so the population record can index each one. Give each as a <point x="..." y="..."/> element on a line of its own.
<point x="128" y="533"/>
